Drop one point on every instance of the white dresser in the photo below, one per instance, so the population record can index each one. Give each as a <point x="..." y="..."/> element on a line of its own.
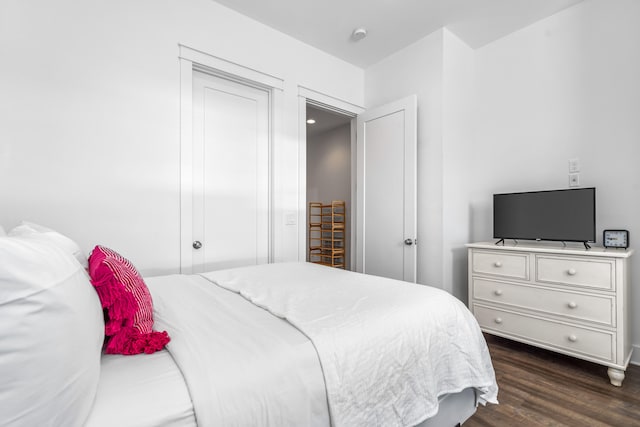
<point x="566" y="299"/>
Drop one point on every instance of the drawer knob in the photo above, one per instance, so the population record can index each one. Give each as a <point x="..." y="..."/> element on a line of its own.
<point x="572" y="304"/>
<point x="498" y="320"/>
<point x="498" y="292"/>
<point x="573" y="338"/>
<point x="497" y="264"/>
<point x="571" y="272"/>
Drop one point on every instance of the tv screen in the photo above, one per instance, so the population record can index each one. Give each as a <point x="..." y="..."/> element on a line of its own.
<point x="561" y="215"/>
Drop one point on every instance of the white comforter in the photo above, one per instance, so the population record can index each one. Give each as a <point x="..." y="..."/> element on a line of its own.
<point x="388" y="349"/>
<point x="242" y="365"/>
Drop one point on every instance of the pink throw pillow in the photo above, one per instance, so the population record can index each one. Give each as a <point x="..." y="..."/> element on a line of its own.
<point x="128" y="304"/>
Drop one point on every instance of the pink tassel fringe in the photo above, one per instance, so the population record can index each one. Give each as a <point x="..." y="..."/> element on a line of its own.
<point x="129" y="341"/>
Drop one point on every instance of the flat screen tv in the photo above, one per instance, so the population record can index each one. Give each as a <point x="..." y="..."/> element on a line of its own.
<point x="558" y="215"/>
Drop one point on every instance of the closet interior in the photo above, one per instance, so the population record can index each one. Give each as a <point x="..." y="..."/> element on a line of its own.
<point x="329" y="149"/>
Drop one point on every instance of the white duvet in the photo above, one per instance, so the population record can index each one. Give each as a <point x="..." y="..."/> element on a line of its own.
<point x="242" y="365"/>
<point x="387" y="348"/>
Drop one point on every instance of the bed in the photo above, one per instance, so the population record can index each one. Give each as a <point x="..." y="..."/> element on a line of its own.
<point x="286" y="344"/>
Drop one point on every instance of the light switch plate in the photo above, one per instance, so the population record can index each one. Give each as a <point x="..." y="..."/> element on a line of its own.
<point x="574" y="165"/>
<point x="290" y="218"/>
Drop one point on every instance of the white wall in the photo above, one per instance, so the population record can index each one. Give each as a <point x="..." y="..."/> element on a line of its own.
<point x="565" y="87"/>
<point x="89" y="113"/>
<point x="89" y="119"/>
<point x="508" y="116"/>
<point x="329" y="171"/>
<point x="417" y="69"/>
<point x="457" y="143"/>
<point x="439" y="70"/>
<point x="329" y="165"/>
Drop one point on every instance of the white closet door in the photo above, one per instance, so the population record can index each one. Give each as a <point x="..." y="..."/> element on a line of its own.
<point x="386" y="187"/>
<point x="230" y="174"/>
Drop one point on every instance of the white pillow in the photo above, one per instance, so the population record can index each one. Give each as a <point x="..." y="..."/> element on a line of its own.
<point x="51" y="335"/>
<point x="31" y="230"/>
<point x="2" y="233"/>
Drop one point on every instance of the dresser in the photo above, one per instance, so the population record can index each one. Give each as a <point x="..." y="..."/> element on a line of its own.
<point x="566" y="299"/>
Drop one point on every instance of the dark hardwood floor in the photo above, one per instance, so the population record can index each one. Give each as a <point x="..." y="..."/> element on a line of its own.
<point x="543" y="388"/>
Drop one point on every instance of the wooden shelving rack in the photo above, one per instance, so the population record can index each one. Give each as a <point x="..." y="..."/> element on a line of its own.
<point x="315" y="231"/>
<point x="327" y="233"/>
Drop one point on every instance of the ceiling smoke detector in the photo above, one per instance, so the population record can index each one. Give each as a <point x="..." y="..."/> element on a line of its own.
<point x="359" y="34"/>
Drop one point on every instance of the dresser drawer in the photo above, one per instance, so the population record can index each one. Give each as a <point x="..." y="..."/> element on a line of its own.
<point x="562" y="337"/>
<point x="513" y="265"/>
<point x="591" y="308"/>
<point x="592" y="273"/>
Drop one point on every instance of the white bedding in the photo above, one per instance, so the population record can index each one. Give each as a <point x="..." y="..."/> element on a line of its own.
<point x="243" y="366"/>
<point x="388" y="349"/>
<point x="141" y="390"/>
<point x="381" y="352"/>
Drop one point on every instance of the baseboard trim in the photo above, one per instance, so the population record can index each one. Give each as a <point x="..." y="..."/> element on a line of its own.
<point x="635" y="356"/>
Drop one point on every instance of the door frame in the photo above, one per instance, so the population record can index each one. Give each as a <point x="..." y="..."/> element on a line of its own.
<point x="190" y="60"/>
<point x="327" y="102"/>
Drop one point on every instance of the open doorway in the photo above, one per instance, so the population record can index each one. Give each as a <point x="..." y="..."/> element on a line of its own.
<point x="328" y="165"/>
<point x="382" y="163"/>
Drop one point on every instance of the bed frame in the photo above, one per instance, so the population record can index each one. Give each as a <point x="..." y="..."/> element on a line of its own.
<point x="454" y="409"/>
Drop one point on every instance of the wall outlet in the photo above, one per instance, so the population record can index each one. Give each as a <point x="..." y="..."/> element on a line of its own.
<point x="574" y="165"/>
<point x="574" y="180"/>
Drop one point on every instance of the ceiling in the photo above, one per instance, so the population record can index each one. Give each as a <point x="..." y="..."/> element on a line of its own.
<point x="325" y="120"/>
<point x="393" y="24"/>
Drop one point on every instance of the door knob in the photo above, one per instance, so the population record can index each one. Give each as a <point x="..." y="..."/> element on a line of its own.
<point x="408" y="242"/>
<point x="197" y="244"/>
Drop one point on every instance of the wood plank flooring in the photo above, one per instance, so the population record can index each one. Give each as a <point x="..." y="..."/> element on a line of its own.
<point x="543" y="388"/>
